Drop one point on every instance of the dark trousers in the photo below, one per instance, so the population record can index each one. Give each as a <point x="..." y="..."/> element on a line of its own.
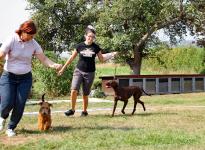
<point x="14" y="91"/>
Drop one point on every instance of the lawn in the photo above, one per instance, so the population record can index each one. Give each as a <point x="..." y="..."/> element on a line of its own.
<point x="171" y="122"/>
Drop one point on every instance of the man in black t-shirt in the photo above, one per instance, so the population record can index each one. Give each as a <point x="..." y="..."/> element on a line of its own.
<point x="84" y="72"/>
<point x="87" y="54"/>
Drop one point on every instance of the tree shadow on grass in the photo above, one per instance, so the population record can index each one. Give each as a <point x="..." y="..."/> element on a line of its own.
<point x="127" y="115"/>
<point x="51" y="130"/>
<point x="157" y="113"/>
<point x="98" y="127"/>
<point x="64" y="129"/>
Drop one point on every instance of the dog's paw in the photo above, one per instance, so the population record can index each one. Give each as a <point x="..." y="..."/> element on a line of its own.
<point x="123" y="112"/>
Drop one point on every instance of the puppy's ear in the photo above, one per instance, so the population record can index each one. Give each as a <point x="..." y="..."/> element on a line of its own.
<point x="40" y="103"/>
<point x="50" y="105"/>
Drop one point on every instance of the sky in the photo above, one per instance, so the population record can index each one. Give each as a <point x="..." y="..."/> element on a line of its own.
<point x="12" y="14"/>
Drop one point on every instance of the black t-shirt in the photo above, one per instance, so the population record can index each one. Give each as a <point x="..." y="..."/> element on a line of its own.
<point x="87" y="54"/>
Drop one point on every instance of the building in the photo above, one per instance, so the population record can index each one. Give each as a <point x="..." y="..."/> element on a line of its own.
<point x="159" y="84"/>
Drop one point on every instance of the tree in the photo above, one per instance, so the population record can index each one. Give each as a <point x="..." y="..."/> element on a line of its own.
<point x="130" y="26"/>
<point x="60" y="22"/>
<point x="200" y="27"/>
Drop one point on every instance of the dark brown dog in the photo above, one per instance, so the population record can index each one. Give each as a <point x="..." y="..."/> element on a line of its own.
<point x="44" y="116"/>
<point x="124" y="93"/>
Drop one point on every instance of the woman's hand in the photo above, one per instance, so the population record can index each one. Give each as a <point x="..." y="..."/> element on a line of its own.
<point x="57" y="66"/>
<point x="60" y="72"/>
<point x="47" y="62"/>
<point x="114" y="54"/>
<point x="72" y="57"/>
<point x="106" y="56"/>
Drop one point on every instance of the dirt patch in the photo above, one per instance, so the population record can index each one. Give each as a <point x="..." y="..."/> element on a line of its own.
<point x="14" y="140"/>
<point x="24" y="138"/>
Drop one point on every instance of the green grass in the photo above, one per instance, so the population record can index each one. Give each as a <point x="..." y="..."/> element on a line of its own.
<point x="108" y="69"/>
<point x="170" y="122"/>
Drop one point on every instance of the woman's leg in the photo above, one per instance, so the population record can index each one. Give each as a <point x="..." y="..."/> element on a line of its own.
<point x="75" y="86"/>
<point x="23" y="90"/>
<point x="88" y="79"/>
<point x="73" y="96"/>
<point x="8" y="94"/>
<point x="85" y="103"/>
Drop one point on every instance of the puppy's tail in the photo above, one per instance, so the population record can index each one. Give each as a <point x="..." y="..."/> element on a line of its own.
<point x="145" y="92"/>
<point x="43" y="97"/>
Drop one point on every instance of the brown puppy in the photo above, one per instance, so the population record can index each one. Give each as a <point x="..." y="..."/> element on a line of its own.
<point x="124" y="93"/>
<point x="44" y="116"/>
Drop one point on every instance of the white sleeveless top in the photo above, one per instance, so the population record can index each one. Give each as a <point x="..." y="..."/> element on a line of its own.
<point x="19" y="54"/>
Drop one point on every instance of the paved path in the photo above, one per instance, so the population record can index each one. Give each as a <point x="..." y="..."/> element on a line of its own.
<point x="92" y="100"/>
<point x="96" y="100"/>
<point x="62" y="111"/>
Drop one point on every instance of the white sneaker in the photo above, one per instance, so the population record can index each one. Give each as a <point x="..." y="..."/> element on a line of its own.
<point x="10" y="132"/>
<point x="2" y="123"/>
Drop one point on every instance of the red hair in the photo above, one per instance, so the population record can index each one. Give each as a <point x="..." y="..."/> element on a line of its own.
<point x="28" y="27"/>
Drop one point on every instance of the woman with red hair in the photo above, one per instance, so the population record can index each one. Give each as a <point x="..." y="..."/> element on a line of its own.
<point x="16" y="79"/>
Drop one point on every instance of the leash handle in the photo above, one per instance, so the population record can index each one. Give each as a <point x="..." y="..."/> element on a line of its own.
<point x="115" y="72"/>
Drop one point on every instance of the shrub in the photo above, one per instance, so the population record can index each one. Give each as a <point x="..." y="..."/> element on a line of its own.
<point x="97" y="89"/>
<point x="98" y="93"/>
<point x="97" y="84"/>
<point x="188" y="59"/>
<point x="47" y="80"/>
<point x="185" y="58"/>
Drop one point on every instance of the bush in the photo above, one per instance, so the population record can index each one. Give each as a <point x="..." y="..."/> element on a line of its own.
<point x="188" y="59"/>
<point x="47" y="80"/>
<point x="98" y="93"/>
<point x="97" y="84"/>
<point x="97" y="89"/>
<point x="185" y="58"/>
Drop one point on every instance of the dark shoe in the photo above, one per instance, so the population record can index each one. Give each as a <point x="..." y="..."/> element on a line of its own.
<point x="70" y="112"/>
<point x="84" y="113"/>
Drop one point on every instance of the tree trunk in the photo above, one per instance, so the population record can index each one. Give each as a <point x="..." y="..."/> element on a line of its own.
<point x="135" y="64"/>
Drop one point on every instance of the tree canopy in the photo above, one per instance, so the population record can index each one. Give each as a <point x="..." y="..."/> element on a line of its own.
<point x="59" y="22"/>
<point x="126" y="26"/>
